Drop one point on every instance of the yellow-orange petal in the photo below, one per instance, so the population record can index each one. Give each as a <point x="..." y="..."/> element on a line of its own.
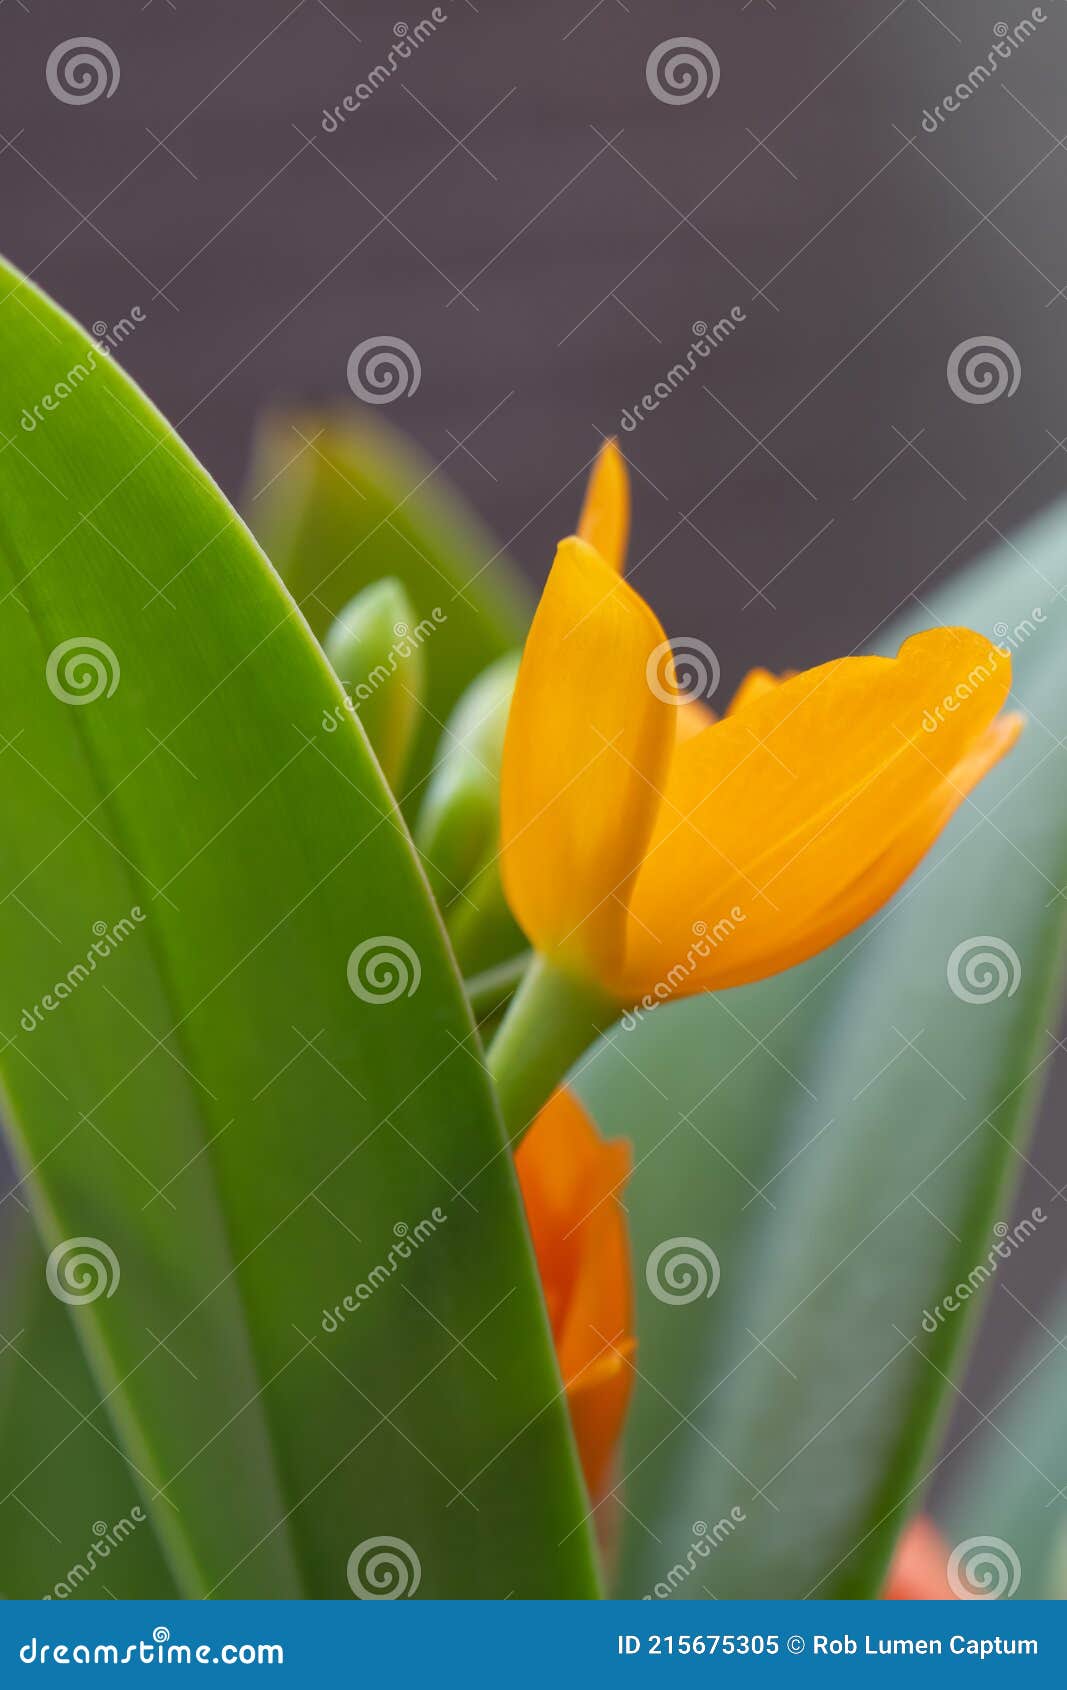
<point x="585" y="758"/>
<point x="570" y="1180"/>
<point x="919" y="1569"/>
<point x="605" y="520"/>
<point x="693" y="717"/>
<point x="887" y="873"/>
<point x="825" y="789"/>
<point x="756" y="684"/>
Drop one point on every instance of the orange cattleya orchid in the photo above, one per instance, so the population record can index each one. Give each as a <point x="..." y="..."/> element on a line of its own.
<point x="570" y="1180"/>
<point x="919" y="1570"/>
<point x="645" y="842"/>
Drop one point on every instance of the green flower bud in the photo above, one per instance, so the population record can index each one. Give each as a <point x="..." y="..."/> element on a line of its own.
<point x="379" y="662"/>
<point x="458" y="827"/>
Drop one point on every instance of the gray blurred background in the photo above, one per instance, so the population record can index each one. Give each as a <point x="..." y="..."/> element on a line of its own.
<point x="518" y="205"/>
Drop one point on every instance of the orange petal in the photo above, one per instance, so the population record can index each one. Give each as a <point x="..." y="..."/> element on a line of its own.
<point x="605" y="519"/>
<point x="919" y="1570"/>
<point x="888" y="873"/>
<point x="817" y="796"/>
<point x="570" y="1180"/>
<point x="585" y="757"/>
<point x="598" y="1400"/>
<point x="693" y="717"/>
<point x="755" y="685"/>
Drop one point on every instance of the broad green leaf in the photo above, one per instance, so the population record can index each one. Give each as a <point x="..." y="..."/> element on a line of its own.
<point x="701" y="1089"/>
<point x="262" y="1094"/>
<point x="843" y="1139"/>
<point x="338" y="501"/>
<point x="1009" y="1484"/>
<point x="72" y="1517"/>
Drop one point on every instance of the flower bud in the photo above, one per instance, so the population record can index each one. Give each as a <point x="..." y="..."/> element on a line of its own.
<point x="378" y="659"/>
<point x="458" y="827"/>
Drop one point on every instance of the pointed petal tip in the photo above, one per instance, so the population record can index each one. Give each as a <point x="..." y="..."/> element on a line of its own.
<point x="605" y="518"/>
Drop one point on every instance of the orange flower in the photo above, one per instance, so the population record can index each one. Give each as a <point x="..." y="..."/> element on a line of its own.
<point x="643" y="845"/>
<point x="919" y="1568"/>
<point x="570" y="1179"/>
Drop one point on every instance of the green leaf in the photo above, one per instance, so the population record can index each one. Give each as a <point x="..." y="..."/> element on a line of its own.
<point x="72" y="1519"/>
<point x="1010" y="1479"/>
<point x="844" y="1139"/>
<point x="238" y="1106"/>
<point x="338" y="501"/>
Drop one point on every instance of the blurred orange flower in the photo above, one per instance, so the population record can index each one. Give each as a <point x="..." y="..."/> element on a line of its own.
<point x="570" y="1179"/>
<point x="919" y="1568"/>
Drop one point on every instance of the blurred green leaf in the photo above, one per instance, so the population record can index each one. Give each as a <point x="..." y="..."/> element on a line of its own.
<point x="843" y="1138"/>
<point x="1010" y="1482"/>
<point x="64" y="1482"/>
<point x="266" y="1096"/>
<point x="339" y="500"/>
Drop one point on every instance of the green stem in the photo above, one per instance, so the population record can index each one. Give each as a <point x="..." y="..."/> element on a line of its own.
<point x="492" y="988"/>
<point x="480" y="923"/>
<point x="551" y="1020"/>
